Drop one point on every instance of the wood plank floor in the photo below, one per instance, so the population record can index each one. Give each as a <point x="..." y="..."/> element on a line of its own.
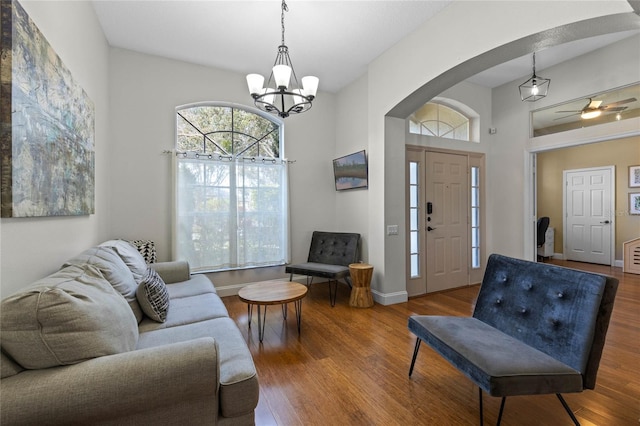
<point x="350" y="366"/>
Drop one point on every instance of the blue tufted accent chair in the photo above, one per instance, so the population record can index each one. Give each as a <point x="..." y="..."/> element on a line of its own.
<point x="329" y="257"/>
<point x="536" y="329"/>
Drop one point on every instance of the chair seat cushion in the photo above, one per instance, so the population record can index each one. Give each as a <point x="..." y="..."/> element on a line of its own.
<point x="498" y="363"/>
<point x="319" y="270"/>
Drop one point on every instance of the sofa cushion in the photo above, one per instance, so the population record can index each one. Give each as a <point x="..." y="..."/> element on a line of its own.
<point x="187" y="310"/>
<point x="131" y="257"/>
<point x="238" y="377"/>
<point x="197" y="284"/>
<point x="65" y="318"/>
<point x="114" y="270"/>
<point x="153" y="296"/>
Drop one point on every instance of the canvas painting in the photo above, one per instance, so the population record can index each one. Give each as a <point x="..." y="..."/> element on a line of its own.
<point x="47" y="134"/>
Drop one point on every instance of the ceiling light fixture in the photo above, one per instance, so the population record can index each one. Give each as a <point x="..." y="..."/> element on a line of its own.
<point x="286" y="96"/>
<point x="536" y="87"/>
<point x="590" y="113"/>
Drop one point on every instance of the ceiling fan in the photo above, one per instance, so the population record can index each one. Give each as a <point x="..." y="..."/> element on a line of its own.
<point x="594" y="108"/>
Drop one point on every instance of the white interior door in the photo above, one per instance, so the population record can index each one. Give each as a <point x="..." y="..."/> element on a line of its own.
<point x="447" y="212"/>
<point x="588" y="212"/>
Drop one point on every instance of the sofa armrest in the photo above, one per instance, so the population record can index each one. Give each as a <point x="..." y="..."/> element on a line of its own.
<point x="156" y="385"/>
<point x="172" y="272"/>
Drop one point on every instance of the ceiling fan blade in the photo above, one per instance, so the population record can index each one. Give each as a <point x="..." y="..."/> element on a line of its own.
<point x="576" y="111"/>
<point x="593" y="104"/>
<point x="566" y="116"/>
<point x="615" y="109"/>
<point x="626" y="101"/>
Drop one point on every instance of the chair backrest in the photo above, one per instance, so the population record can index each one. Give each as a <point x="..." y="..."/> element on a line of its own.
<point x="543" y="224"/>
<point x="334" y="248"/>
<point x="560" y="311"/>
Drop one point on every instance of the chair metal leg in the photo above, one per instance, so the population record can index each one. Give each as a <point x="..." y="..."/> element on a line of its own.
<point x="481" y="412"/>
<point x="566" y="407"/>
<point x="504" y="399"/>
<point x="333" y="291"/>
<point x="415" y="354"/>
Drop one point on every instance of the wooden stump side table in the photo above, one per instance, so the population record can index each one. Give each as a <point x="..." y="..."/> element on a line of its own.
<point x="361" y="291"/>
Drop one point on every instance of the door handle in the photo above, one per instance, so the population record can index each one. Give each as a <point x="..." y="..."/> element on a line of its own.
<point x="430" y="228"/>
<point x="605" y="222"/>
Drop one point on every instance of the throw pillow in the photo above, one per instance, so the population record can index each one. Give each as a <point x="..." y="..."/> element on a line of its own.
<point x="147" y="249"/>
<point x="153" y="296"/>
<point x="114" y="270"/>
<point x="67" y="317"/>
<point x="131" y="257"/>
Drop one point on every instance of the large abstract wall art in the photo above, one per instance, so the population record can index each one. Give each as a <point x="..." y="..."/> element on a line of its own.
<point x="47" y="150"/>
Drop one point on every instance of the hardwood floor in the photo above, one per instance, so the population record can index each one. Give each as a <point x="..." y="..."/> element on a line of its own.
<point x="350" y="366"/>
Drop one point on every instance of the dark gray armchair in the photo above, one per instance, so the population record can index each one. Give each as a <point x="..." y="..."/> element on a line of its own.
<point x="329" y="257"/>
<point x="536" y="329"/>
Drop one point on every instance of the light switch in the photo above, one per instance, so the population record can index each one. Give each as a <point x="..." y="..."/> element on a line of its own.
<point x="392" y="229"/>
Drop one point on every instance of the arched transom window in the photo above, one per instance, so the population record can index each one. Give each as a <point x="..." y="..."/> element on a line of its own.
<point x="436" y="119"/>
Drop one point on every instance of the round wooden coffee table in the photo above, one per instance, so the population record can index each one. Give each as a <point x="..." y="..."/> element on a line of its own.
<point x="277" y="292"/>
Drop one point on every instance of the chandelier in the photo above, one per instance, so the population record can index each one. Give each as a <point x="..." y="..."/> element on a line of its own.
<point x="282" y="94"/>
<point x="536" y="87"/>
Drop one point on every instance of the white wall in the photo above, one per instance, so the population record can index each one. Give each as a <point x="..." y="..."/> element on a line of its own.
<point x="351" y="207"/>
<point x="33" y="247"/>
<point x="457" y="34"/>
<point x="604" y="69"/>
<point x="145" y="92"/>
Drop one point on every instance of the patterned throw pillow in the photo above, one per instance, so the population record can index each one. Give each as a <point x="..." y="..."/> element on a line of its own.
<point x="153" y="296"/>
<point x="147" y="249"/>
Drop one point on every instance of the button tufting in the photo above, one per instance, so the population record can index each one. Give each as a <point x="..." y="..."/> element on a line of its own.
<point x="498" y="301"/>
<point x="560" y="295"/>
<point x="523" y="310"/>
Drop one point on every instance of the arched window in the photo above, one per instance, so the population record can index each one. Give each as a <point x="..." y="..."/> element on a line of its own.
<point x="437" y="119"/>
<point x="231" y="188"/>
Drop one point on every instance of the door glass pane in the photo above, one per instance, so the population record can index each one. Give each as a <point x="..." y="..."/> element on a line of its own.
<point x="413" y="220"/>
<point x="414" y="242"/>
<point x="414" y="265"/>
<point x="413" y="196"/>
<point x="413" y="173"/>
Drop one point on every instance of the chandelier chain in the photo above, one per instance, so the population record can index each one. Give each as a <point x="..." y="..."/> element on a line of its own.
<point x="285" y="8"/>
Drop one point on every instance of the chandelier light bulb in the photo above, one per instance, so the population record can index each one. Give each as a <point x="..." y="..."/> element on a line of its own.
<point x="255" y="83"/>
<point x="310" y="85"/>
<point x="282" y="75"/>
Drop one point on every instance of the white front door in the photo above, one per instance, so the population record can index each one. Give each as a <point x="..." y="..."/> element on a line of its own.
<point x="447" y="212"/>
<point x="588" y="212"/>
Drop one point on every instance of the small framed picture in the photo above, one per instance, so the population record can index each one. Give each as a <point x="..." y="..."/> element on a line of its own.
<point x="634" y="176"/>
<point x="634" y="203"/>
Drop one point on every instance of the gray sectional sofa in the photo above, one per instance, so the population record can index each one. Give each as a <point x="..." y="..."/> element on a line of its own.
<point x="79" y="347"/>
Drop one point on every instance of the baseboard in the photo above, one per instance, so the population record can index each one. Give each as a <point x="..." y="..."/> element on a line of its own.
<point x="390" y="298"/>
<point x="616" y="263"/>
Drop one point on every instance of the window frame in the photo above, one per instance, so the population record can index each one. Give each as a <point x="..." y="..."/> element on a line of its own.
<point x="175" y="228"/>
